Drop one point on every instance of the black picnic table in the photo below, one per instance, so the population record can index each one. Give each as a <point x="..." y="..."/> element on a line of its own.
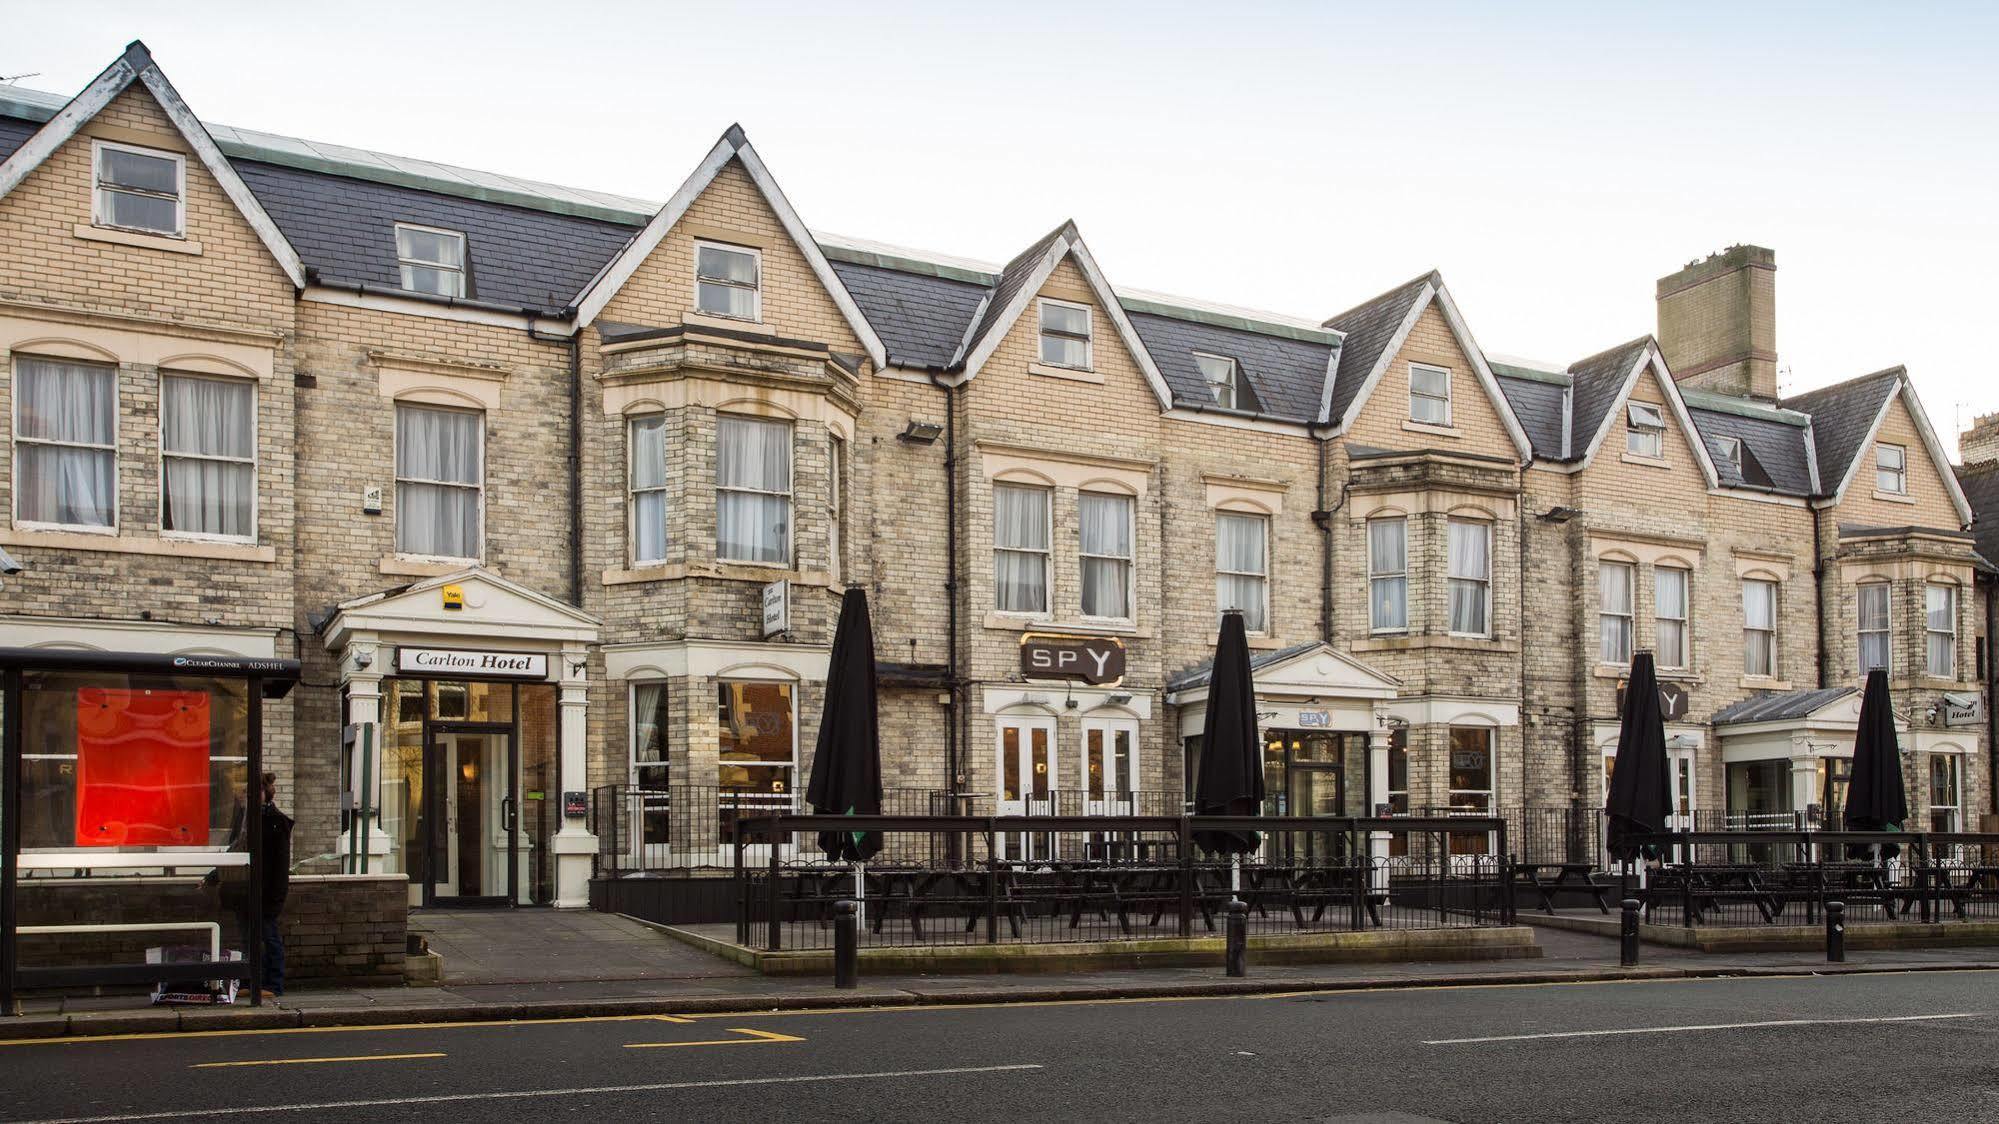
<point x="1549" y="879"/>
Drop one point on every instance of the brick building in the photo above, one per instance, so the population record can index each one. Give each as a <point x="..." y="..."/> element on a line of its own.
<point x="517" y="471"/>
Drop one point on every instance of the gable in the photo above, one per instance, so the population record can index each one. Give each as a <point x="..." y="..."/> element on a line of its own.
<point x="1928" y="503"/>
<point x="1115" y="377"/>
<point x="494" y="609"/>
<point x="1477" y="425"/>
<point x="1679" y="472"/>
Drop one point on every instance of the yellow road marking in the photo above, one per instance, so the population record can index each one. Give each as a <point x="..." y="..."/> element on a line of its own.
<point x="314" y="1061"/>
<point x="157" y="1034"/>
<point x="757" y="1037"/>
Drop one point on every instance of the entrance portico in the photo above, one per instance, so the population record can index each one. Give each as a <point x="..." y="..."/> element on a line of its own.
<point x="477" y="686"/>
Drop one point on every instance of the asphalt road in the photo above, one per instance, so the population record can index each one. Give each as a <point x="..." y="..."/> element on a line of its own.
<point x="1865" y="1047"/>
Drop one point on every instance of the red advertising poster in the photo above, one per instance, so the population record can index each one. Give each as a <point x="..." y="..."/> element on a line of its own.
<point x="141" y="768"/>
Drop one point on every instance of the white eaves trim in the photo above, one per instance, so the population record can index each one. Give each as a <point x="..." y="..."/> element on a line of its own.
<point x="1651" y="359"/>
<point x="734" y="145"/>
<point x="1434" y="290"/>
<point x="382" y="300"/>
<point x="1940" y="460"/>
<point x="1067" y="242"/>
<point x="137" y="64"/>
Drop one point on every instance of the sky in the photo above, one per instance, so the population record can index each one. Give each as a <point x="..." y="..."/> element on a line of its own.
<point x="1553" y="160"/>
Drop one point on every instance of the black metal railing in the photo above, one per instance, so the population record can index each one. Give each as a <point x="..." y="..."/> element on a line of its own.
<point x="1058" y="878"/>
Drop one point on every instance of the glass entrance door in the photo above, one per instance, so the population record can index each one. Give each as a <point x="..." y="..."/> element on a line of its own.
<point x="469" y="829"/>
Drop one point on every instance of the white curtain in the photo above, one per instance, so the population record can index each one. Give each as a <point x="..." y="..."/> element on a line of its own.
<point x="1941" y="609"/>
<point x="1020" y="554"/>
<point x="208" y="432"/>
<point x="1242" y="567"/>
<point x="753" y="475"/>
<point x="648" y="453"/>
<point x="439" y="466"/>
<point x="1669" y="594"/>
<point x="1613" y="583"/>
<point x="1388" y="558"/>
<point x="1874" y="632"/>
<point x="649" y="734"/>
<point x="1106" y="550"/>
<point x="1470" y="572"/>
<point x="70" y="406"/>
<point x="1759" y="618"/>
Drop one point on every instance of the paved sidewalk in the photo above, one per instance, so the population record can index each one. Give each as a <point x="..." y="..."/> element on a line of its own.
<point x="495" y="983"/>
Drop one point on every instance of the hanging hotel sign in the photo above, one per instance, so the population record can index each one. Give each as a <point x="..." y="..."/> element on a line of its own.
<point x="454" y="661"/>
<point x="1096" y="660"/>
<point x="1961" y="708"/>
<point x="1672" y="700"/>
<point x="777" y="608"/>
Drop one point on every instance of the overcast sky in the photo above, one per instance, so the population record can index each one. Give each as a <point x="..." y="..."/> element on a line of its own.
<point x="1552" y="160"/>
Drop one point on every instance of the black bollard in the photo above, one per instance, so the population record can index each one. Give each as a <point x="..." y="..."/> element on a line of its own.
<point x="1835" y="932"/>
<point x="1627" y="935"/>
<point x="846" y="945"/>
<point x="1238" y="938"/>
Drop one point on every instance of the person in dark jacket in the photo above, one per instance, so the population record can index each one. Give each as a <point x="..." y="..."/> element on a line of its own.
<point x="277" y="831"/>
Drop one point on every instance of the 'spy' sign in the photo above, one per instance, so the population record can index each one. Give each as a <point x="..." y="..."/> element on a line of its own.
<point x="1097" y="660"/>
<point x="1672" y="700"/>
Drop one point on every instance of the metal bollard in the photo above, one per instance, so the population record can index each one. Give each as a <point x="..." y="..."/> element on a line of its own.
<point x="1835" y="932"/>
<point x="1627" y="935"/>
<point x="846" y="944"/>
<point x="1238" y="938"/>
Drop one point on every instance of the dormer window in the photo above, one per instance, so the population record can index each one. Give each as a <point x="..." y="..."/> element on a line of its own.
<point x="1891" y="469"/>
<point x="728" y="281"/>
<point x="1429" y="394"/>
<point x="139" y="189"/>
<point x="1730" y="449"/>
<point x="1225" y="382"/>
<point x="1645" y="430"/>
<point x="432" y="260"/>
<point x="1065" y="334"/>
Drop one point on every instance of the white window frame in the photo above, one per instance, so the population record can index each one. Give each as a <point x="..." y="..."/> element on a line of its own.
<point x="1130" y="560"/>
<point x="1731" y="451"/>
<point x="1886" y="631"/>
<point x="1112" y="801"/>
<point x="100" y="215"/>
<point x="649" y="799"/>
<point x="404" y="264"/>
<point x="1375" y="576"/>
<point x="1930" y="632"/>
<point x="1263" y="520"/>
<point x="1088" y="337"/>
<point x="1644" y="430"/>
<point x="1685" y="656"/>
<point x="1956" y="766"/>
<point x="256" y="488"/>
<point x="756" y="290"/>
<point x="1232" y="383"/>
<point x="633" y="491"/>
<point x="1629" y="614"/>
<point x="399" y="479"/>
<point x="1047" y="552"/>
<point x="1898" y="483"/>
<point x="1763" y="637"/>
<point x="1449" y="578"/>
<point x="1445" y="398"/>
<point x="117" y="468"/>
<point x="790" y="494"/>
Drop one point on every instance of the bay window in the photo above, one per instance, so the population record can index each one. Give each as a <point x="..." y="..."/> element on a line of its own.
<point x="1020" y="548"/>
<point x="1759" y="627"/>
<point x="1940" y="628"/>
<point x="646" y="446"/>
<point x="1242" y="567"/>
<point x="1388" y="575"/>
<point x="1614" y="582"/>
<point x="440" y="481"/>
<point x="1105" y="551"/>
<point x="1470" y="572"/>
<point x="1669" y="598"/>
<point x="1876" y="634"/>
<point x="208" y="456"/>
<point x="65" y="443"/>
<point x="752" y="490"/>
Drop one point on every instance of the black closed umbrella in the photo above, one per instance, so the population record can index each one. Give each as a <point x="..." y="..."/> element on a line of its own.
<point x="1875" y="797"/>
<point x="1641" y="789"/>
<point x="847" y="765"/>
<point x="1231" y="779"/>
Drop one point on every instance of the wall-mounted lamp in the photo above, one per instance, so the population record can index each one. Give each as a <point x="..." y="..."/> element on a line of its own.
<point x="1118" y="699"/>
<point x="1559" y="514"/>
<point x="920" y="432"/>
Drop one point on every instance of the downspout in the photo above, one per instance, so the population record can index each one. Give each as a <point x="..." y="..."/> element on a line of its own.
<point x="1818" y="592"/>
<point x="1323" y="517"/>
<point x="954" y="684"/>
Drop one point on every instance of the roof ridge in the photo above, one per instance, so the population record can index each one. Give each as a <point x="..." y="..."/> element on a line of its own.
<point x="1647" y="338"/>
<point x="1898" y="371"/>
<point x="1419" y="279"/>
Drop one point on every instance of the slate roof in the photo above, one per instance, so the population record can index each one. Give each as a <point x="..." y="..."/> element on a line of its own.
<point x="1773" y="452"/>
<point x="345" y="230"/>
<point x="1981" y="486"/>
<point x="1842" y="415"/>
<point x="1778" y="706"/>
<point x="1012" y="276"/>
<point x="1599" y="380"/>
<point x="1287" y="376"/>
<point x="1370" y="327"/>
<point x="919" y="317"/>
<point x="14" y="133"/>
<point x="1538" y="405"/>
<point x="1199" y="674"/>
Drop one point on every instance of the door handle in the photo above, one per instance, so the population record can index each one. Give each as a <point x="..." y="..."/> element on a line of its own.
<point x="507" y="813"/>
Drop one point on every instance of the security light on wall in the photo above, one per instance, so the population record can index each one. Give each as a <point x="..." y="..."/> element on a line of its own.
<point x="920" y="432"/>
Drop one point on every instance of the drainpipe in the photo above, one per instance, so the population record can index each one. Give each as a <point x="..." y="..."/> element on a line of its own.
<point x="953" y="680"/>
<point x="1323" y="517"/>
<point x="1818" y="592"/>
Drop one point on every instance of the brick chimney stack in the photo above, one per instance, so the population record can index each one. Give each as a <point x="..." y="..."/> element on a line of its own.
<point x="1718" y="323"/>
<point x="1979" y="445"/>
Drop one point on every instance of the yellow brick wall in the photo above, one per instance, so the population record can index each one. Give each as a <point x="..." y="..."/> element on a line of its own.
<point x="1473" y="414"/>
<point x="1931" y="506"/>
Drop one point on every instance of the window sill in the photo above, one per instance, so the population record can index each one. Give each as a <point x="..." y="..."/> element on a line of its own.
<point x="726" y="323"/>
<point x="1085" y="626"/>
<point x="119" y="237"/>
<point x="1648" y="462"/>
<point x="1894" y="497"/>
<point x="1433" y="429"/>
<point x="1392" y="642"/>
<point x="424" y="566"/>
<point x="110" y="542"/>
<point x="1073" y="374"/>
<point x="1763" y="683"/>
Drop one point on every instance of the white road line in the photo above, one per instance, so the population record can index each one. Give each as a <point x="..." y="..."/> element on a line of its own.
<point x="450" y="1098"/>
<point x="1698" y="1026"/>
